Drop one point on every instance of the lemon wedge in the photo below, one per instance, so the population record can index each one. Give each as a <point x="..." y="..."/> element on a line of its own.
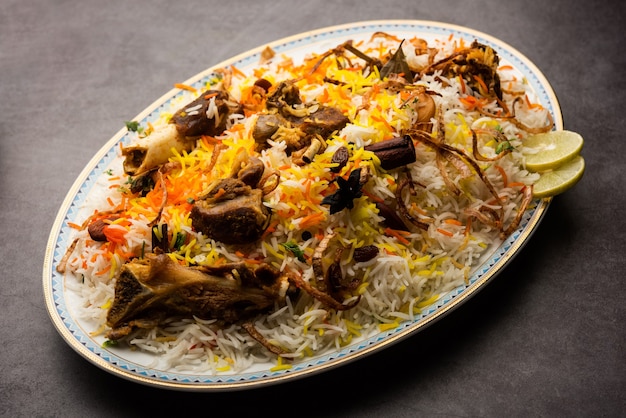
<point x="553" y="149"/>
<point x="560" y="179"/>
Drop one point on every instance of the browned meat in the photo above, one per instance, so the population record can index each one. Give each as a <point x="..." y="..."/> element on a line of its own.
<point x="192" y="119"/>
<point x="266" y="126"/>
<point x="297" y="131"/>
<point x="299" y="123"/>
<point x="154" y="288"/>
<point x="285" y="93"/>
<point x="232" y="212"/>
<point x="251" y="172"/>
<point x="323" y="122"/>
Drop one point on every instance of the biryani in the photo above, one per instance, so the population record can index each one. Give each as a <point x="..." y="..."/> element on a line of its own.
<point x="276" y="215"/>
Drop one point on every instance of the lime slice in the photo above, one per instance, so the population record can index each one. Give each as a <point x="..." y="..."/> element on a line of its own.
<point x="560" y="179"/>
<point x="553" y="148"/>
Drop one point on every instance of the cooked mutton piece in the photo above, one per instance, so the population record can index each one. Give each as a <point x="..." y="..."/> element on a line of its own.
<point x="297" y="131"/>
<point x="231" y="212"/>
<point x="284" y="94"/>
<point x="266" y="126"/>
<point x="250" y="172"/>
<point x="154" y="288"/>
<point x="154" y="150"/>
<point x="289" y="120"/>
<point x="207" y="115"/>
<point x="323" y="122"/>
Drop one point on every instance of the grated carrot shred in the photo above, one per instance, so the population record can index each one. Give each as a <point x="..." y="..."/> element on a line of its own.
<point x="114" y="235"/>
<point x="74" y="226"/>
<point x="311" y="220"/>
<point x="444" y="232"/>
<point x="104" y="271"/>
<point x="270" y="229"/>
<point x="468" y="226"/>
<point x="505" y="179"/>
<point x="516" y="184"/>
<point x="532" y="105"/>
<point x="185" y="87"/>
<point x="372" y="197"/>
<point x="237" y="71"/>
<point x="397" y="234"/>
<point x="324" y="97"/>
<point x="482" y="84"/>
<point x="383" y="121"/>
<point x="123" y="202"/>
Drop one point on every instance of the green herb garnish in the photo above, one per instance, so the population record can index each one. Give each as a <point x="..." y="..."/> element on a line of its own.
<point x="179" y="241"/>
<point x="133" y="126"/>
<point x="504" y="146"/>
<point x="295" y="250"/>
<point x="109" y="343"/>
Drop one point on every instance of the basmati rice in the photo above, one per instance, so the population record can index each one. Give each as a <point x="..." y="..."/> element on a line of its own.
<point x="412" y="268"/>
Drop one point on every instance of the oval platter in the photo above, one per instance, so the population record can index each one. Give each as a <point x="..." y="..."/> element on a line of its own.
<point x="61" y="300"/>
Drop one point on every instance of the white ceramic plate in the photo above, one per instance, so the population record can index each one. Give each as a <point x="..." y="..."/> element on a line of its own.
<point x="60" y="300"/>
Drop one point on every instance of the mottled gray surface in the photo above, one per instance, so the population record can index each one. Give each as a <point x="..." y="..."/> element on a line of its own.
<point x="546" y="338"/>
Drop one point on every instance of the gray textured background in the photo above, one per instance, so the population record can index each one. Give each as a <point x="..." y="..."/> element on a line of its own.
<point x="546" y="338"/>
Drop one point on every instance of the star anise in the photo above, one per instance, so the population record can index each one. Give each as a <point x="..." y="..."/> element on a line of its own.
<point x="349" y="190"/>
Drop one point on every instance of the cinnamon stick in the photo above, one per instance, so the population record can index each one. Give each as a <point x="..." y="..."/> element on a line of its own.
<point x="394" y="152"/>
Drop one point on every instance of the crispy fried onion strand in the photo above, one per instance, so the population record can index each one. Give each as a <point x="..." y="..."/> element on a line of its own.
<point x="254" y="333"/>
<point x="269" y="182"/>
<point x="325" y="298"/>
<point x="510" y="116"/>
<point x="498" y="136"/>
<point x="316" y="261"/>
<point x="528" y="197"/>
<point x="420" y="223"/>
<point x="465" y="164"/>
<point x="457" y="157"/>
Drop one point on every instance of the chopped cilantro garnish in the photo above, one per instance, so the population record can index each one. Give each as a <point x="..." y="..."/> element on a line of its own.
<point x="504" y="146"/>
<point x="179" y="240"/>
<point x="295" y="250"/>
<point x="133" y="126"/>
<point x="109" y="343"/>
